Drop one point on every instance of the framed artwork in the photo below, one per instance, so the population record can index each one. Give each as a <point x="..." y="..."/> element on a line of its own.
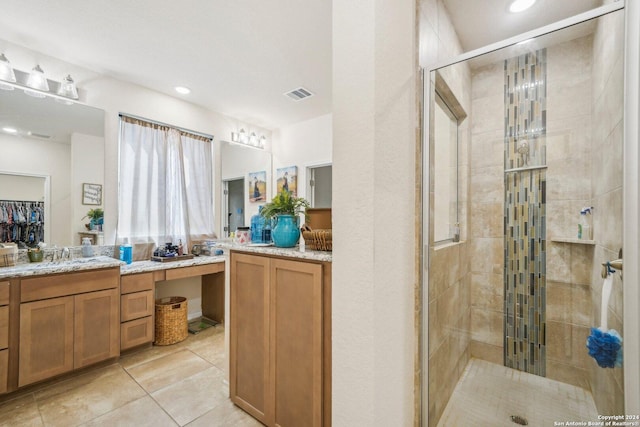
<point x="91" y="194"/>
<point x="288" y="180"/>
<point x="257" y="186"/>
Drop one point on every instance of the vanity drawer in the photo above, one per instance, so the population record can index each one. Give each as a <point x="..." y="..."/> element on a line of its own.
<point x="196" y="270"/>
<point x="136" y="332"/>
<point x="4" y="293"/>
<point x="136" y="305"/>
<point x="57" y="285"/>
<point x="4" y="327"/>
<point x="4" y="370"/>
<point x="136" y="283"/>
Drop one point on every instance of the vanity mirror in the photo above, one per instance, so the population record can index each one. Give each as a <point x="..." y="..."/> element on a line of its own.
<point x="49" y="149"/>
<point x="237" y="163"/>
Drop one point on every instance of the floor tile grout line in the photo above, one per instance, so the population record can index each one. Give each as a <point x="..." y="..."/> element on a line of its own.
<point x="197" y="349"/>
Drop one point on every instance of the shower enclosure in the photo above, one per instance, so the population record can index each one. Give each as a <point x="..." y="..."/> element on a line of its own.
<point x="509" y="289"/>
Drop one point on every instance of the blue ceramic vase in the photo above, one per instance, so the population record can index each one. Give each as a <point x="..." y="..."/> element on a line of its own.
<point x="285" y="234"/>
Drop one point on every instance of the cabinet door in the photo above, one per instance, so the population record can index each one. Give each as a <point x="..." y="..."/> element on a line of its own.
<point x="249" y="333"/>
<point x="46" y="339"/>
<point x="4" y="327"/>
<point x="97" y="327"/>
<point x="296" y="342"/>
<point x="4" y="370"/>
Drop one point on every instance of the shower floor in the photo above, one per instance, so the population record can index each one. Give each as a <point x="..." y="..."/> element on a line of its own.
<point x="489" y="394"/>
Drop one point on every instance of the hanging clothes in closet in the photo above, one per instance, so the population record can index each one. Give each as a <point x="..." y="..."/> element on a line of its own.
<point x="21" y="221"/>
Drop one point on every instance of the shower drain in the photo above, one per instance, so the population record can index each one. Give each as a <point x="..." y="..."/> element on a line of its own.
<point x="519" y="420"/>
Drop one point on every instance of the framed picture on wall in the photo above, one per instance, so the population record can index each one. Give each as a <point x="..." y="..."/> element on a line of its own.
<point x="257" y="186"/>
<point x="91" y="194"/>
<point x="288" y="180"/>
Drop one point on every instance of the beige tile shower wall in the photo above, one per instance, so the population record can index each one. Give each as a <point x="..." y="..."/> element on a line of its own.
<point x="449" y="323"/>
<point x="569" y="136"/>
<point x="607" y="384"/>
<point x="449" y="273"/>
<point x="486" y="201"/>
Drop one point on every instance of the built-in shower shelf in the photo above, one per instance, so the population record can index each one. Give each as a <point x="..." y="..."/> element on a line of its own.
<point x="573" y="240"/>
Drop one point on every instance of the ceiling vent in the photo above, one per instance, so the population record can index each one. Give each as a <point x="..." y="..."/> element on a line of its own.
<point x="39" y="135"/>
<point x="299" y="94"/>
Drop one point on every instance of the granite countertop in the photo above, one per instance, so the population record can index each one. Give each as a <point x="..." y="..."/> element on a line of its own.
<point x="103" y="261"/>
<point x="67" y="266"/>
<point x="145" y="266"/>
<point x="295" y="252"/>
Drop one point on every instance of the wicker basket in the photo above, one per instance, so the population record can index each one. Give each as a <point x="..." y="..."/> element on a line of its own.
<point x="8" y="255"/>
<point x="317" y="240"/>
<point x="171" y="320"/>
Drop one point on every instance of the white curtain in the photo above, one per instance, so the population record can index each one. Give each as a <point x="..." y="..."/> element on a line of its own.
<point x="165" y="188"/>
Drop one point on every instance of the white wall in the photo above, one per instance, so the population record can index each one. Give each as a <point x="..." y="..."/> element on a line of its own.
<point x="374" y="157"/>
<point x="84" y="169"/>
<point x="302" y="144"/>
<point x="21" y="187"/>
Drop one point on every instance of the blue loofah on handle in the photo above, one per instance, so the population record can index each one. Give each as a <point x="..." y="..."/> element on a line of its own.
<point x="605" y="347"/>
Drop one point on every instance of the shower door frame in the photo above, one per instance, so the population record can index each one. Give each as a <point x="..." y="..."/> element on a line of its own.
<point x="631" y="196"/>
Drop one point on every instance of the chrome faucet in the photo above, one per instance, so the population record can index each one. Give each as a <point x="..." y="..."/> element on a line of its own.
<point x="66" y="253"/>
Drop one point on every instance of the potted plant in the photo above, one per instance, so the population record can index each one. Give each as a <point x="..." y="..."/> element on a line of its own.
<point x="284" y="209"/>
<point x="96" y="218"/>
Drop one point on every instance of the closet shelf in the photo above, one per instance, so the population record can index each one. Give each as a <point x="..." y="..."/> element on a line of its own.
<point x="573" y="240"/>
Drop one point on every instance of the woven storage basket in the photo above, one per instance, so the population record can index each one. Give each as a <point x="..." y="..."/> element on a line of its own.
<point x="8" y="255"/>
<point x="317" y="240"/>
<point x="171" y="320"/>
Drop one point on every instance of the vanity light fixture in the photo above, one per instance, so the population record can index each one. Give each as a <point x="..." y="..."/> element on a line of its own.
<point x="183" y="90"/>
<point x="6" y="73"/>
<point x="246" y="140"/>
<point x="520" y="5"/>
<point x="36" y="83"/>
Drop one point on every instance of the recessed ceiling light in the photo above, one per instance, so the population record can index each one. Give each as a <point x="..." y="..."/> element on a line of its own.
<point x="183" y="90"/>
<point x="10" y="130"/>
<point x="520" y="5"/>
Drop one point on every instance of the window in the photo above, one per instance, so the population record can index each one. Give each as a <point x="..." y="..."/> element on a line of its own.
<point x="165" y="185"/>
<point x="447" y="116"/>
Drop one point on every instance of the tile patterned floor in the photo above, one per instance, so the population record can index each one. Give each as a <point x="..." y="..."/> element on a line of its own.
<point x="176" y="385"/>
<point x="488" y="394"/>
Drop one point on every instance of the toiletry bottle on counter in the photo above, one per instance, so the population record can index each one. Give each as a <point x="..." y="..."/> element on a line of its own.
<point x="87" y="250"/>
<point x="584" y="226"/>
<point x="257" y="224"/>
<point x="260" y="228"/>
<point x="126" y="251"/>
<point x="243" y="235"/>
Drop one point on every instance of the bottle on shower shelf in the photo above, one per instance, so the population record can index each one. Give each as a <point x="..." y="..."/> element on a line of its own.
<point x="584" y="224"/>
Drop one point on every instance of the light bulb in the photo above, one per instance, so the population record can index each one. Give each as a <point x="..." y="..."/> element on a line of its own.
<point x="6" y="73"/>
<point x="68" y="88"/>
<point x="520" y="5"/>
<point x="37" y="79"/>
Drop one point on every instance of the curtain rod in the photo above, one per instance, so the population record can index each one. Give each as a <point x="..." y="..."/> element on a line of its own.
<point x="155" y="122"/>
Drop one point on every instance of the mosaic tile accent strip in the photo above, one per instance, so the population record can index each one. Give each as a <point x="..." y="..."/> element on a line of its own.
<point x="525" y="214"/>
<point x="525" y="93"/>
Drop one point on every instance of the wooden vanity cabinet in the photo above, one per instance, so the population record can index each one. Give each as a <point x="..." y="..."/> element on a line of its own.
<point x="136" y="310"/>
<point x="67" y="321"/>
<point x="280" y="349"/>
